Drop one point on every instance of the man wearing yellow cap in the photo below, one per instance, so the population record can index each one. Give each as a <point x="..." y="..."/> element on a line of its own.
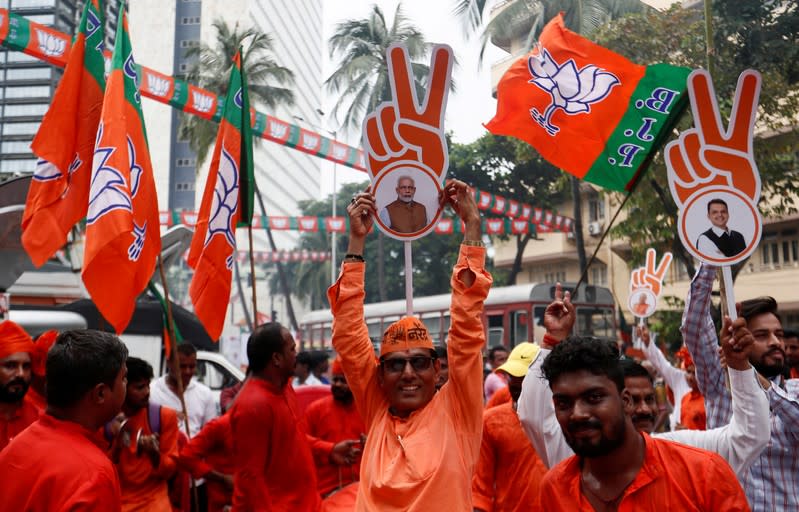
<point x="509" y="471"/>
<point x="16" y="413"/>
<point x="422" y="445"/>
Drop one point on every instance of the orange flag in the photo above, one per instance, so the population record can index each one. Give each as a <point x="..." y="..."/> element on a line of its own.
<point x="59" y="191"/>
<point x="227" y="202"/>
<point x="122" y="224"/>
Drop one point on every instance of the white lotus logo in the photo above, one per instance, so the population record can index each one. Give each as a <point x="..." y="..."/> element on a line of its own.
<point x="278" y="130"/>
<point x="499" y="204"/>
<point x="310" y="141"/>
<point x="494" y="225"/>
<point x="335" y="224"/>
<point x="49" y="44"/>
<point x="308" y="224"/>
<point x="279" y="222"/>
<point x="520" y="226"/>
<point x="339" y="152"/>
<point x="202" y="102"/>
<point x="157" y="85"/>
<point x="572" y="90"/>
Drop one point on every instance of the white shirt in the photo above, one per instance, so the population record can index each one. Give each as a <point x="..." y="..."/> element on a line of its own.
<point x="739" y="442"/>
<point x="311" y="380"/>
<point x="674" y="378"/>
<point x="200" y="403"/>
<point x="706" y="246"/>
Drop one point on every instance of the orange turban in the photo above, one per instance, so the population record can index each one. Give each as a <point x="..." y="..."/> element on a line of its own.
<point x="13" y="339"/>
<point x="336" y="368"/>
<point x="685" y="356"/>
<point x="40" y="349"/>
<point x="406" y="333"/>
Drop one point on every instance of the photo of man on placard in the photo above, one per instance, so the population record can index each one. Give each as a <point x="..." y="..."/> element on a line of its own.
<point x="405" y="215"/>
<point x="720" y="240"/>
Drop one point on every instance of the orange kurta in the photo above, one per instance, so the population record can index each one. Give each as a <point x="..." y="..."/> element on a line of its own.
<point x="501" y="396"/>
<point x="330" y="422"/>
<point x="211" y="450"/>
<point x="692" y="411"/>
<point x="674" y="477"/>
<point x="144" y="487"/>
<point x="56" y="466"/>
<point x="423" y="462"/>
<point x="509" y="472"/>
<point x="23" y="416"/>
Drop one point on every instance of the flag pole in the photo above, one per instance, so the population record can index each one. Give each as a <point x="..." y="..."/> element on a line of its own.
<point x="173" y="353"/>
<point x="252" y="281"/>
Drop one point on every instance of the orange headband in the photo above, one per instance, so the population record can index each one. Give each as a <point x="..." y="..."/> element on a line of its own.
<point x="406" y="333"/>
<point x="13" y="339"/>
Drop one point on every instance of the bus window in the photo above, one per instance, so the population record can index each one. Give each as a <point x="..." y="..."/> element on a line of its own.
<point x="445" y="326"/>
<point x="596" y="321"/>
<point x="519" y="321"/>
<point x="433" y="323"/>
<point x="374" y="328"/>
<point x="327" y="336"/>
<point x="496" y="329"/>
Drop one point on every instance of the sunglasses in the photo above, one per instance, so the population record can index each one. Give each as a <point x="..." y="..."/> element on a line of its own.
<point x="397" y="364"/>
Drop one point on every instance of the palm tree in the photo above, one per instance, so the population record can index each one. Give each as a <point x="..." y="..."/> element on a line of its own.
<point x="361" y="80"/>
<point x="267" y="80"/>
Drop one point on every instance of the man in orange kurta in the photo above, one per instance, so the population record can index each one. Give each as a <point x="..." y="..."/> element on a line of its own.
<point x="509" y="472"/>
<point x="144" y="447"/>
<point x="616" y="468"/>
<point x="209" y="455"/>
<point x="335" y="429"/>
<point x="17" y="411"/>
<point x="422" y="445"/>
<point x="56" y="464"/>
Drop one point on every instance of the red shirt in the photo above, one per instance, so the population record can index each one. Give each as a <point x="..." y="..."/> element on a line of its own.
<point x="330" y="422"/>
<point x="673" y="477"/>
<point x="509" y="472"/>
<point x="56" y="466"/>
<point x="274" y="467"/>
<point x="144" y="487"/>
<point x="692" y="411"/>
<point x="211" y="450"/>
<point x="22" y="416"/>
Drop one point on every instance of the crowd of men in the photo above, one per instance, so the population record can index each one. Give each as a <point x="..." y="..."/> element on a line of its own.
<point x="565" y="423"/>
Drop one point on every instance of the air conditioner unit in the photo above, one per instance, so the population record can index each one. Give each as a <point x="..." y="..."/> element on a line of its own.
<point x="570" y="235"/>
<point x="594" y="228"/>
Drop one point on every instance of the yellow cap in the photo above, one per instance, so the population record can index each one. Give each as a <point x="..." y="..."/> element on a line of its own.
<point x="520" y="359"/>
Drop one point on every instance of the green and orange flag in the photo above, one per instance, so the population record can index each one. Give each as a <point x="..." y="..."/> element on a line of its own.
<point x="227" y="203"/>
<point x="59" y="192"/>
<point x="122" y="224"/>
<point x="587" y="110"/>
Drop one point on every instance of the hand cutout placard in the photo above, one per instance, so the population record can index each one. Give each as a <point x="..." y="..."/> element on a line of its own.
<point x="646" y="284"/>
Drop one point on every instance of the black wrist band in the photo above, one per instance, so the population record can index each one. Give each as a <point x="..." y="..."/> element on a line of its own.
<point x="356" y="257"/>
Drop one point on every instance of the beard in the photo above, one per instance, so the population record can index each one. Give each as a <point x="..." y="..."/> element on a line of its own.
<point x="644" y="422"/>
<point x="343" y="397"/>
<point x="10" y="397"/>
<point x="770" y="370"/>
<point x="406" y="199"/>
<point x="606" y="443"/>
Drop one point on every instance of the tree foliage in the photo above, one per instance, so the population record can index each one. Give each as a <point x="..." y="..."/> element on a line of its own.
<point x="677" y="37"/>
<point x="268" y="83"/>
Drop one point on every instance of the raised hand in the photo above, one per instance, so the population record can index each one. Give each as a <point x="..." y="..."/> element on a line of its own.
<point x="402" y="130"/>
<point x="642" y="333"/>
<point x="736" y="342"/>
<point x="559" y="317"/>
<point x="709" y="155"/>
<point x="361" y="212"/>
<point x="459" y="197"/>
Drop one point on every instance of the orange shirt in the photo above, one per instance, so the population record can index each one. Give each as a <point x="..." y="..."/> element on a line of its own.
<point x="211" y="449"/>
<point x="23" y="416"/>
<point x="274" y="466"/>
<point x="330" y="422"/>
<point x="144" y="487"/>
<point x="423" y="462"/>
<point x="673" y="477"/>
<point x="509" y="472"/>
<point x="501" y="396"/>
<point x="56" y="466"/>
<point x="692" y="411"/>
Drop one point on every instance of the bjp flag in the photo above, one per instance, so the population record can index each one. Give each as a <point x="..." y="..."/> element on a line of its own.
<point x="227" y="203"/>
<point x="122" y="224"/>
<point x="587" y="110"/>
<point x="59" y="190"/>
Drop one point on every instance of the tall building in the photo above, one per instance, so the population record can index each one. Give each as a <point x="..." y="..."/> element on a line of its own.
<point x="27" y="84"/>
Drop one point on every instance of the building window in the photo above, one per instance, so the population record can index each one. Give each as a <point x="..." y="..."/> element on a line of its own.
<point x="186" y="162"/>
<point x="37" y="91"/>
<point x="779" y="249"/>
<point x="20" y="57"/>
<point x="44" y="19"/>
<point x="599" y="274"/>
<point x="184" y="187"/>
<point x="36" y="109"/>
<point x="20" y="128"/>
<point x="190" y="20"/>
<point x="24" y="165"/>
<point x="183" y="68"/>
<point x="19" y="4"/>
<point x="189" y="43"/>
<point x="28" y="74"/>
<point x="596" y="208"/>
<point x="15" y="147"/>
